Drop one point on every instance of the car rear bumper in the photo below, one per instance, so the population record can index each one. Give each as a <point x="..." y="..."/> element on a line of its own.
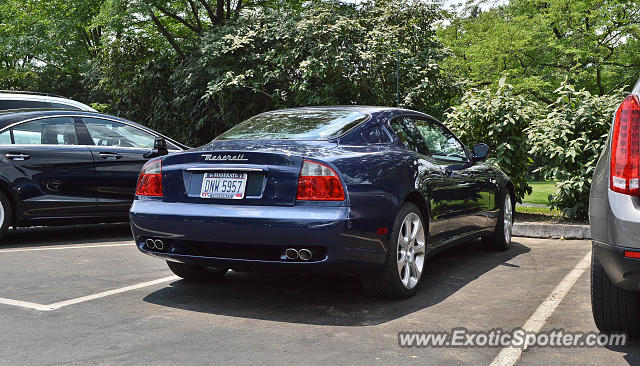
<point x="622" y="271"/>
<point x="615" y="219"/>
<point x="254" y="238"/>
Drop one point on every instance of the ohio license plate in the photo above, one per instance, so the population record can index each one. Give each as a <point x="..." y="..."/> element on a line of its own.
<point x="223" y="185"/>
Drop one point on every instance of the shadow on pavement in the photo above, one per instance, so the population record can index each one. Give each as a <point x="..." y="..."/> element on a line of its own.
<point x="330" y="300"/>
<point x="59" y="235"/>
<point x="632" y="350"/>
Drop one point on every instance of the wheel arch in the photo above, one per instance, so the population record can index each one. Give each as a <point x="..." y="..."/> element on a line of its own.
<point x="420" y="201"/>
<point x="510" y="188"/>
<point x="13" y="200"/>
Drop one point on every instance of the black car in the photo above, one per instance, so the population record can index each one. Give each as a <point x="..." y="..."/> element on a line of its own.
<point x="68" y="166"/>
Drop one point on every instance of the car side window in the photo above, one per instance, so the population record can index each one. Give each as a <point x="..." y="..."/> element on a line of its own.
<point x="116" y="134"/>
<point x="409" y="135"/>
<point x="5" y="138"/>
<point x="46" y="131"/>
<point x="21" y="104"/>
<point x="63" y="106"/>
<point x="441" y="142"/>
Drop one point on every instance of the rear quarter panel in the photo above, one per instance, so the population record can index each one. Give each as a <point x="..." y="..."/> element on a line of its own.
<point x="377" y="180"/>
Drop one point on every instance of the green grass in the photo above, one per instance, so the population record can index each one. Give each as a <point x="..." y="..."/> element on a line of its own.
<point x="538" y="211"/>
<point x="541" y="192"/>
<point x="541" y="214"/>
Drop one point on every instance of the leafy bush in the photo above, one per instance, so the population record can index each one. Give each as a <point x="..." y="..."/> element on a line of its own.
<point x="571" y="137"/>
<point x="325" y="53"/>
<point x="499" y="119"/>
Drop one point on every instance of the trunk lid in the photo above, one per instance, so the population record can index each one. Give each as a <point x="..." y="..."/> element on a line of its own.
<point x="271" y="170"/>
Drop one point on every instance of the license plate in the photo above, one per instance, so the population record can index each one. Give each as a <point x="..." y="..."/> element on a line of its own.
<point x="229" y="186"/>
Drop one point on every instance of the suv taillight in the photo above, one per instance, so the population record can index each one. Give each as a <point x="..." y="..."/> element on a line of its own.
<point x="625" y="149"/>
<point x="150" y="179"/>
<point x="318" y="182"/>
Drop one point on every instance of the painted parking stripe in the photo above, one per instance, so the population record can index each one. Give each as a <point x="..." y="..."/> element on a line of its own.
<point x="62" y="247"/>
<point x="61" y="304"/>
<point x="508" y="356"/>
<point x="23" y="304"/>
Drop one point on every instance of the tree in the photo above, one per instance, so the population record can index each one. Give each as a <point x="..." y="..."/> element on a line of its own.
<point x="571" y="136"/>
<point x="594" y="44"/>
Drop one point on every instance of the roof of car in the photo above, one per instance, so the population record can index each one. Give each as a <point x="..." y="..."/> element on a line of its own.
<point x="11" y="116"/>
<point x="355" y="108"/>
<point x="24" y="92"/>
<point x="12" y="95"/>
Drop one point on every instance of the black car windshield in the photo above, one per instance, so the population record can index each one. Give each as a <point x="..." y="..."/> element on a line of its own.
<point x="296" y="124"/>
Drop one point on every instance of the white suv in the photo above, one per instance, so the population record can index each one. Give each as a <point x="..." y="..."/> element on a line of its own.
<point x="10" y="99"/>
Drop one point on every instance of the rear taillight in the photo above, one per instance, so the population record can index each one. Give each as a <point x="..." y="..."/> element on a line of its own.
<point x="150" y="179"/>
<point x="318" y="182"/>
<point x="625" y="149"/>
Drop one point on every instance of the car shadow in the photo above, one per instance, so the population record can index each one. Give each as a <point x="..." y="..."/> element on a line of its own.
<point x="60" y="235"/>
<point x="631" y="350"/>
<point x="330" y="300"/>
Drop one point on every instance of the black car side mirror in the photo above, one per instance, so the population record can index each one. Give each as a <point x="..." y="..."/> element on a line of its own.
<point x="480" y="152"/>
<point x="159" y="148"/>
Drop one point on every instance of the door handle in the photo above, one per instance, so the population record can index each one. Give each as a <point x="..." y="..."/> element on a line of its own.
<point x="110" y="155"/>
<point x="18" y="157"/>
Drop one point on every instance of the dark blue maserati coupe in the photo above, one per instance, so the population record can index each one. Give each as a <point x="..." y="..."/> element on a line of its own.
<point x="369" y="191"/>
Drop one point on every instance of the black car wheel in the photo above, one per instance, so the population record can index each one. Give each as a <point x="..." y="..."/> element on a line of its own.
<point x="195" y="273"/>
<point x="614" y="309"/>
<point x="500" y="239"/>
<point x="6" y="213"/>
<point x="405" y="257"/>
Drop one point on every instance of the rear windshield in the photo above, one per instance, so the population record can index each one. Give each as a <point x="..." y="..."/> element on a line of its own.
<point x="301" y="124"/>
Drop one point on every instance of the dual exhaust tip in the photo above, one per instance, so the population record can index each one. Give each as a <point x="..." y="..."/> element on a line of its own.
<point x="302" y="254"/>
<point x="154" y="244"/>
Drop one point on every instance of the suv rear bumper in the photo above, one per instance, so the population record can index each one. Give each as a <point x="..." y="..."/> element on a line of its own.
<point x="622" y="271"/>
<point x="614" y="218"/>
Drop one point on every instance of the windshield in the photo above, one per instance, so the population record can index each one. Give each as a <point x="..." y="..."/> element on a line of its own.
<point x="295" y="124"/>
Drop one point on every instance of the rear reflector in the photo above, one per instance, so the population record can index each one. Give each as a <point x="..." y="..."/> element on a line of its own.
<point x="150" y="179"/>
<point x="630" y="254"/>
<point x="318" y="182"/>
<point x="625" y="149"/>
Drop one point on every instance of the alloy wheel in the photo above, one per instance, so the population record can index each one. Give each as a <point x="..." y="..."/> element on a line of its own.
<point x="508" y="218"/>
<point x="411" y="250"/>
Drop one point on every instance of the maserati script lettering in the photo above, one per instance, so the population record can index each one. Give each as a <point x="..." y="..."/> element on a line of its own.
<point x="238" y="157"/>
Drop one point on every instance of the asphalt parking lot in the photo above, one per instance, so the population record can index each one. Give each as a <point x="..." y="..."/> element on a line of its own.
<point x="85" y="295"/>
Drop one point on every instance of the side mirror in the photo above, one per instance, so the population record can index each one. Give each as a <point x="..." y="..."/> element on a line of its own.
<point x="480" y="152"/>
<point x="159" y="148"/>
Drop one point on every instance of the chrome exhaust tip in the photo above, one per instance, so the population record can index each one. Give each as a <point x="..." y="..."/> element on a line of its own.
<point x="304" y="254"/>
<point x="150" y="244"/>
<point x="159" y="244"/>
<point x="292" y="254"/>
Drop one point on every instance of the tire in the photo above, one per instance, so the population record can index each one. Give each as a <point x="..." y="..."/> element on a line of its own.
<point x="406" y="248"/>
<point x="6" y="214"/>
<point x="196" y="273"/>
<point x="614" y="309"/>
<point x="500" y="239"/>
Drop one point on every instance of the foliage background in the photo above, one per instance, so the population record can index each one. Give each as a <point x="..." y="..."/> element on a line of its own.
<point x="500" y="120"/>
<point x="193" y="68"/>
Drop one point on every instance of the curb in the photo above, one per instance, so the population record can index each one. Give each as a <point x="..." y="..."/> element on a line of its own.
<point x="551" y="231"/>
